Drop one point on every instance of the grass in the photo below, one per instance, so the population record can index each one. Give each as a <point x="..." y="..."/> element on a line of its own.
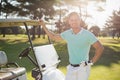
<point x="107" y="68"/>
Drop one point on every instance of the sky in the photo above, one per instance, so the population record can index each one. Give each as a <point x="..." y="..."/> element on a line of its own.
<point x="99" y="18"/>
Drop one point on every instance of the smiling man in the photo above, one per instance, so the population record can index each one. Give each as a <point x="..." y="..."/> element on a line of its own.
<point x="79" y="42"/>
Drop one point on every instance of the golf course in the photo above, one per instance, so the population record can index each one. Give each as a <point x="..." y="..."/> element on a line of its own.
<point x="107" y="68"/>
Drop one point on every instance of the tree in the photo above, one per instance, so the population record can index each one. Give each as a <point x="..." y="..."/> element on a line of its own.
<point x="11" y="30"/>
<point x="59" y="13"/>
<point x="113" y="23"/>
<point x="95" y="30"/>
<point x="36" y="9"/>
<point x="6" y="9"/>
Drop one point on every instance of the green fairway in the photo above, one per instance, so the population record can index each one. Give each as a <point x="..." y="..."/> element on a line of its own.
<point x="107" y="68"/>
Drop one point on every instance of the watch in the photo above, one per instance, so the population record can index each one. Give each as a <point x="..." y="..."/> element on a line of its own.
<point x="90" y="62"/>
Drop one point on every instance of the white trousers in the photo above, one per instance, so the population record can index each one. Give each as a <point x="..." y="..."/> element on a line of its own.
<point x="78" y="73"/>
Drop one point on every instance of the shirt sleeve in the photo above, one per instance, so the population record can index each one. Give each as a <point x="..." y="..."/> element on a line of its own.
<point x="63" y="35"/>
<point x="92" y="38"/>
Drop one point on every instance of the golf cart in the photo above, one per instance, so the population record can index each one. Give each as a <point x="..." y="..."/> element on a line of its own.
<point x="46" y="59"/>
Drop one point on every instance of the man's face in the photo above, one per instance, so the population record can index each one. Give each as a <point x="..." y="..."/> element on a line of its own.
<point x="74" y="21"/>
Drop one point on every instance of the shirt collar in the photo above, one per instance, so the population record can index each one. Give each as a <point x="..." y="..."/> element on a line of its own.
<point x="78" y="32"/>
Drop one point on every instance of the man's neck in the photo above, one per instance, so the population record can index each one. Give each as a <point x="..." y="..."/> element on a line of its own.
<point x="76" y="30"/>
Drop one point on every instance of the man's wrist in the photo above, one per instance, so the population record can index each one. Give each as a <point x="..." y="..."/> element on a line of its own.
<point x="90" y="62"/>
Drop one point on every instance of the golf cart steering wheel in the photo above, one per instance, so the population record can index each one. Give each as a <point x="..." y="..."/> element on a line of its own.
<point x="25" y="52"/>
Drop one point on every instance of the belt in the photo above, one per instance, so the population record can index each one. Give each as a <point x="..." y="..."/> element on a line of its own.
<point x="77" y="65"/>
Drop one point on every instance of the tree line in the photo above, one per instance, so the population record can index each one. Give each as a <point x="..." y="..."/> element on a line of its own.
<point x="37" y="9"/>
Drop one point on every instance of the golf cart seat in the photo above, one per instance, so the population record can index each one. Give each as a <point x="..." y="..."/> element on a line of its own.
<point x="10" y="71"/>
<point x="48" y="61"/>
<point x="46" y="56"/>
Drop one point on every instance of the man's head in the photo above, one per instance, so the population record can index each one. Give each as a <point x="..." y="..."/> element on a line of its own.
<point x="74" y="20"/>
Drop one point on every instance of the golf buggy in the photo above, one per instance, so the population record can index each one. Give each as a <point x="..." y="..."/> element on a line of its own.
<point x="46" y="59"/>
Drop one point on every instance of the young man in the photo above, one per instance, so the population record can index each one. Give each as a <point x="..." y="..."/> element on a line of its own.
<point x="79" y="42"/>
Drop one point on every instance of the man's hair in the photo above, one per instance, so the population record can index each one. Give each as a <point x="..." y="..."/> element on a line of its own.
<point x="73" y="13"/>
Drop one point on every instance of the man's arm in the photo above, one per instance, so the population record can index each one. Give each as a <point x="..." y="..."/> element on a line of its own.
<point x="98" y="51"/>
<point x="52" y="36"/>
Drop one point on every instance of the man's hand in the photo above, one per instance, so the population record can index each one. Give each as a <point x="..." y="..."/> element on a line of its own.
<point x="41" y="22"/>
<point x="53" y="36"/>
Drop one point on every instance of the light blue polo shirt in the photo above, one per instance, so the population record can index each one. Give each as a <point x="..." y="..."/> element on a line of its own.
<point x="78" y="45"/>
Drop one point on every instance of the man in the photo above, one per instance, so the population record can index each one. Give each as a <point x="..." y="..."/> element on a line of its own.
<point x="79" y="42"/>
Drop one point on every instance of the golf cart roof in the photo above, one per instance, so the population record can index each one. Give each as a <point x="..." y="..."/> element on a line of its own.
<point x="18" y="22"/>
